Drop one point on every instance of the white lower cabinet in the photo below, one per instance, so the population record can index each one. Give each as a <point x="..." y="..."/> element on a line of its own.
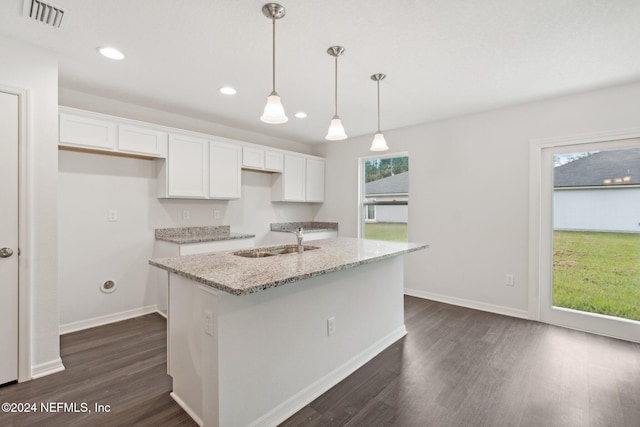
<point x="197" y="168"/>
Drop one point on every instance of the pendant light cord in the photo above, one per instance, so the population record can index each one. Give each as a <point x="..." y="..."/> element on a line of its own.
<point x="336" y="87"/>
<point x="378" y="82"/>
<point x="273" y="62"/>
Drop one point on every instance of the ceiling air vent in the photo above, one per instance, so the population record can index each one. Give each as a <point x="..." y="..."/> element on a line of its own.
<point x="43" y="12"/>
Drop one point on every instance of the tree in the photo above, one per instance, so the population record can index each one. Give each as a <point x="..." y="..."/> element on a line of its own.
<point x="381" y="168"/>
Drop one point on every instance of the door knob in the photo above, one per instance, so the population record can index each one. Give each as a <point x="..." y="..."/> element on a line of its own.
<point x="5" y="252"/>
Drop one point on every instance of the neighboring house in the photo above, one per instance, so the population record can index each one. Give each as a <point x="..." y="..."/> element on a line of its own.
<point x="387" y="199"/>
<point x="600" y="192"/>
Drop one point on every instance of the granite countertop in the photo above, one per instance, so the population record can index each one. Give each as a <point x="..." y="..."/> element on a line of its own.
<point x="308" y="226"/>
<point x="199" y="234"/>
<point x="240" y="276"/>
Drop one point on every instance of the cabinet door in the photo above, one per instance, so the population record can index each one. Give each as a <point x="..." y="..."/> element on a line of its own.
<point x="252" y="158"/>
<point x="188" y="162"/>
<point x="315" y="180"/>
<point x="273" y="161"/>
<point x="86" y="132"/>
<point x="140" y="140"/>
<point x="294" y="178"/>
<point x="225" y="178"/>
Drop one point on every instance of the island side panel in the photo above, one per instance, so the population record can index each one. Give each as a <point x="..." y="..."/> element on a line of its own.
<point x="274" y="354"/>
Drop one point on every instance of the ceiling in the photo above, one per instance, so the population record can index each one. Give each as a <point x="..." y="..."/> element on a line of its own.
<point x="443" y="58"/>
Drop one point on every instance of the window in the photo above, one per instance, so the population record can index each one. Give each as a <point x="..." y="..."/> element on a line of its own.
<point x="384" y="195"/>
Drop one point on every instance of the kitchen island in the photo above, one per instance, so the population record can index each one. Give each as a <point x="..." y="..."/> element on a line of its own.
<point x="254" y="338"/>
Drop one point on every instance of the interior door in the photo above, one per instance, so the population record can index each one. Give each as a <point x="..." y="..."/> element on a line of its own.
<point x="590" y="240"/>
<point x="8" y="237"/>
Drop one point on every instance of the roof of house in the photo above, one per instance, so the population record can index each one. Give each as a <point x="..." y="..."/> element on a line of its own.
<point x="605" y="168"/>
<point x="394" y="184"/>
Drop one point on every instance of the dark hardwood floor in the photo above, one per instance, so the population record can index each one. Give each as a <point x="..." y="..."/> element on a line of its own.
<point x="122" y="365"/>
<point x="462" y="367"/>
<point x="456" y="367"/>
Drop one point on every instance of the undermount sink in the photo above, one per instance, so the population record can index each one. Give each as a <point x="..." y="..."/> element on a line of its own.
<point x="278" y="250"/>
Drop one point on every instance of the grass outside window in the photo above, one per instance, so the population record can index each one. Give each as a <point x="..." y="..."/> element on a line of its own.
<point x="597" y="272"/>
<point x="393" y="231"/>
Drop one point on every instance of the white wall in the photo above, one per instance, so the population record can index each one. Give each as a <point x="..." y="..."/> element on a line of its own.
<point x="605" y="209"/>
<point x="469" y="191"/>
<point x="93" y="250"/>
<point x="29" y="68"/>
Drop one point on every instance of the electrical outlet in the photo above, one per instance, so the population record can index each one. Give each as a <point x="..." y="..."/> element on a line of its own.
<point x="113" y="215"/>
<point x="508" y="279"/>
<point x="185" y="214"/>
<point x="208" y="322"/>
<point x="216" y="214"/>
<point x="331" y="326"/>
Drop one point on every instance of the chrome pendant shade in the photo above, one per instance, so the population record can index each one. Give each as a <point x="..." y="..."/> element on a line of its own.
<point x="336" y="130"/>
<point x="274" y="111"/>
<point x="378" y="143"/>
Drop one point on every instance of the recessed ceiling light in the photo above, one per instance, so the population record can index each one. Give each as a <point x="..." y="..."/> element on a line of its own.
<point x="111" y="53"/>
<point x="228" y="90"/>
<point x="301" y="114"/>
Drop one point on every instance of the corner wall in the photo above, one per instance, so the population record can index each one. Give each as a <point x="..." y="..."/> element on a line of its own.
<point x="36" y="70"/>
<point x="93" y="250"/>
<point x="469" y="192"/>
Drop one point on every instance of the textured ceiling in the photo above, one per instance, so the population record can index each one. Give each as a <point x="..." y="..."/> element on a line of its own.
<point x="443" y="58"/>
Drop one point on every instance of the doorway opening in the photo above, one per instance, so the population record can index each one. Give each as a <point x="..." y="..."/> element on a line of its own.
<point x="585" y="232"/>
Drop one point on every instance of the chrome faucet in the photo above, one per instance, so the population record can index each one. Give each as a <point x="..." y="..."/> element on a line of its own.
<point x="300" y="238"/>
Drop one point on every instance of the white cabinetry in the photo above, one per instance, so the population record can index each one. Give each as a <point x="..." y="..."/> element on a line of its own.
<point x="185" y="172"/>
<point x="93" y="132"/>
<point x="225" y="177"/>
<point x="197" y="168"/>
<point x="302" y="180"/>
<point x="314" y="182"/>
<point x="87" y="132"/>
<point x="263" y="160"/>
<point x="142" y="140"/>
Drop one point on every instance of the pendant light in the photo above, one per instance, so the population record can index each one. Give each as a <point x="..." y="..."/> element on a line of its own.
<point x="273" y="111"/>
<point x="336" y="130"/>
<point x="379" y="143"/>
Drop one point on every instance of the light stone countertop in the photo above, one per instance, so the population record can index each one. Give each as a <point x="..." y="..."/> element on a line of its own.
<point x="240" y="276"/>
<point x="183" y="235"/>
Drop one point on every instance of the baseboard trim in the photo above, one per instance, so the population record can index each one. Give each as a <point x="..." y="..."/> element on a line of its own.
<point x="109" y="318"/>
<point x="47" y="368"/>
<point x="292" y="405"/>
<point x="186" y="408"/>
<point x="507" y="311"/>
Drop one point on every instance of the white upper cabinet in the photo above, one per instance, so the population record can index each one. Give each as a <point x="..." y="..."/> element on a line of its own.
<point x="225" y="176"/>
<point x="261" y="159"/>
<point x="314" y="189"/>
<point x="197" y="168"/>
<point x="185" y="172"/>
<point x="99" y="133"/>
<point x="87" y="132"/>
<point x="252" y="158"/>
<point x="142" y="140"/>
<point x="302" y="180"/>
<point x="273" y="161"/>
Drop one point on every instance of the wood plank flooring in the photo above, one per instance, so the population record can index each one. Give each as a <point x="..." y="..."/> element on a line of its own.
<point x="122" y="365"/>
<point x="462" y="367"/>
<point x="456" y="367"/>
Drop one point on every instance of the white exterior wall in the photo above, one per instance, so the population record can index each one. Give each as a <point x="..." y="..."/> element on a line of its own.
<point x="392" y="213"/>
<point x="607" y="209"/>
<point x="470" y="195"/>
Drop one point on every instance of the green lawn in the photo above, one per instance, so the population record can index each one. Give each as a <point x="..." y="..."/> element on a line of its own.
<point x="396" y="232"/>
<point x="597" y="272"/>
